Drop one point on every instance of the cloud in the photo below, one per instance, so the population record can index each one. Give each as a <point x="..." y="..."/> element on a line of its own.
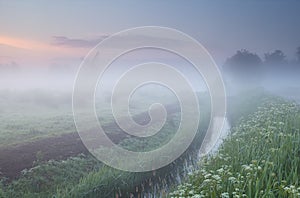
<point x="76" y="43"/>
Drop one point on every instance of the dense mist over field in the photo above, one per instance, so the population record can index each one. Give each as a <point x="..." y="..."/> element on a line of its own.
<point x="54" y="86"/>
<point x="27" y="78"/>
<point x="243" y="71"/>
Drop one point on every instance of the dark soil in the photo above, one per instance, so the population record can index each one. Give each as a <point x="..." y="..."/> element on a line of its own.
<point x="14" y="159"/>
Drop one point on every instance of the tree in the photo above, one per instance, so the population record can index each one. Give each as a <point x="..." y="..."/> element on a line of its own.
<point x="276" y="58"/>
<point x="244" y="67"/>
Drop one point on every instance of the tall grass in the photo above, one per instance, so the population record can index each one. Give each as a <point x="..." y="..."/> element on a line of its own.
<point x="259" y="159"/>
<point x="45" y="178"/>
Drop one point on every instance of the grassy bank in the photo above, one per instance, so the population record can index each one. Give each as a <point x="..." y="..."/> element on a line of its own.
<point x="259" y="159"/>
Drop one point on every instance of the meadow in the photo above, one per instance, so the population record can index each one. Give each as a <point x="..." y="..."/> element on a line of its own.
<point x="78" y="174"/>
<point x="258" y="159"/>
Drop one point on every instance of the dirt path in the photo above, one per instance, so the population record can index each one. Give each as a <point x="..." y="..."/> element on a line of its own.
<point x="17" y="158"/>
<point x="14" y="159"/>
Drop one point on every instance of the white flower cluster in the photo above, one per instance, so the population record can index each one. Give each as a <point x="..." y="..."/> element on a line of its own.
<point x="259" y="159"/>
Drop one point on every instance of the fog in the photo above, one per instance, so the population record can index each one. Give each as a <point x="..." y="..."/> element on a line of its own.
<point x="21" y="78"/>
<point x="243" y="71"/>
<point x="53" y="85"/>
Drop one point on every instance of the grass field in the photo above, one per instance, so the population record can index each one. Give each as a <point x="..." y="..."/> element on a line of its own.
<point x="259" y="158"/>
<point x="27" y="122"/>
<point x="28" y="115"/>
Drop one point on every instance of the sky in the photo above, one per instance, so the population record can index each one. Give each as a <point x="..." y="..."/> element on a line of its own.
<point x="60" y="33"/>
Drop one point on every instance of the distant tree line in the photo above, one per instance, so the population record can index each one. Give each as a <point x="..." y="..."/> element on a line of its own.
<point x="245" y="66"/>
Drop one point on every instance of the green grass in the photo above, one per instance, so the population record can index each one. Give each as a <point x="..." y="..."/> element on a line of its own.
<point x="61" y="179"/>
<point x="16" y="128"/>
<point x="259" y="159"/>
<point x="28" y="115"/>
<point x="45" y="178"/>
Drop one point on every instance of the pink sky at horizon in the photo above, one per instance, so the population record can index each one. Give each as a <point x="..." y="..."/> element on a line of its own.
<point x="34" y="52"/>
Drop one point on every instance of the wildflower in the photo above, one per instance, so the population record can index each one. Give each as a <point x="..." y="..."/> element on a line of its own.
<point x="206" y="181"/>
<point x="191" y="192"/>
<point x="246" y="168"/>
<point x="286" y="188"/>
<point x="232" y="179"/>
<point x="225" y="195"/>
<point x="221" y="170"/>
<point x="262" y="192"/>
<point x="207" y="176"/>
<point x="259" y="168"/>
<point x="216" y="177"/>
<point x="197" y="196"/>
